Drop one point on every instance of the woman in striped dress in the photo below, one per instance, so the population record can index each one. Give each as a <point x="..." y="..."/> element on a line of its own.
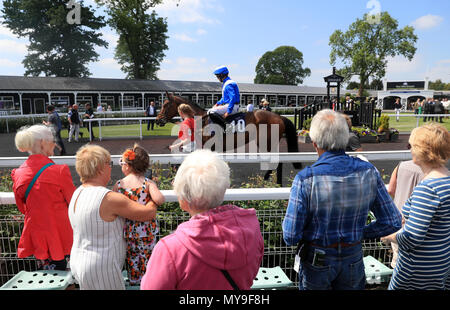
<point x="97" y="218"/>
<point x="424" y="241"/>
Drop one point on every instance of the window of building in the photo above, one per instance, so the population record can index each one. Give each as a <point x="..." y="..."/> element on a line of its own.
<point x="7" y="103"/>
<point x="61" y="103"/>
<point x="108" y="101"/>
<point x="129" y="103"/>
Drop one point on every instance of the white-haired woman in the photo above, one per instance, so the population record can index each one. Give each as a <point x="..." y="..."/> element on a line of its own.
<point x="217" y="242"/>
<point x="97" y="216"/>
<point x="43" y="191"/>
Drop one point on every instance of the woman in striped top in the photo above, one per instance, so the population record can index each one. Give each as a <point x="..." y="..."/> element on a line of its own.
<point x="424" y="241"/>
<point x="97" y="218"/>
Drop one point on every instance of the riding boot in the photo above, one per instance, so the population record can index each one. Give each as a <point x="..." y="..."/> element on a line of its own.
<point x="218" y="119"/>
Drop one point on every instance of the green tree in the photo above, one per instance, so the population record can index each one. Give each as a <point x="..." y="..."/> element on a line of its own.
<point x="57" y="47"/>
<point x="365" y="46"/>
<point x="142" y="36"/>
<point x="439" y="85"/>
<point x="374" y="85"/>
<point x="284" y="66"/>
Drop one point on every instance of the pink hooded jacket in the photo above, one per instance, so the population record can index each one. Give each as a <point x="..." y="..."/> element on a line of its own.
<point x="226" y="237"/>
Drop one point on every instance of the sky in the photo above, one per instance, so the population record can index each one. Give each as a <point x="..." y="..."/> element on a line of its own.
<point x="204" y="34"/>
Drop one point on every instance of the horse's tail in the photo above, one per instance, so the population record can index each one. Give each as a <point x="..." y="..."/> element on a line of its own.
<point x="291" y="138"/>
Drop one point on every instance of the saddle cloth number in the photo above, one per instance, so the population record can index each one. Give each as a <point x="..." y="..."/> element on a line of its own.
<point x="238" y="126"/>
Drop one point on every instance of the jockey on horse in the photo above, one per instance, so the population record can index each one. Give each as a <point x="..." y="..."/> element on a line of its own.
<point x="229" y="104"/>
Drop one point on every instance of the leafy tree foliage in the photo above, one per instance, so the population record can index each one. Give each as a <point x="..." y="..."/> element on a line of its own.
<point x="142" y="36"/>
<point x="364" y="47"/>
<point x="439" y="85"/>
<point x="57" y="48"/>
<point x="284" y="65"/>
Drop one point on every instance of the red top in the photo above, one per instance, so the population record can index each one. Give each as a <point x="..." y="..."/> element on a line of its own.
<point x="47" y="232"/>
<point x="187" y="129"/>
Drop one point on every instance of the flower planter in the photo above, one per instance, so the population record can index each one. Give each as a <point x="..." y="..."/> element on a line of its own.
<point x="393" y="137"/>
<point x="383" y="137"/>
<point x="304" y="139"/>
<point x="368" y="139"/>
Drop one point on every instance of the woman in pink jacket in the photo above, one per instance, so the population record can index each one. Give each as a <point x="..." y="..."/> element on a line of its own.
<point x="216" y="243"/>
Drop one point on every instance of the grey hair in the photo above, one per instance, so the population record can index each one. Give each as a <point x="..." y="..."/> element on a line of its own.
<point x="329" y="130"/>
<point x="28" y="138"/>
<point x="202" y="180"/>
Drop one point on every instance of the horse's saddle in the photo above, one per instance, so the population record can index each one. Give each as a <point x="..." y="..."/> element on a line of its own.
<point x="233" y="123"/>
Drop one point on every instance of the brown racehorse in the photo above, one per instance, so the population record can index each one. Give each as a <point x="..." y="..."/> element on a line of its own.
<point x="284" y="126"/>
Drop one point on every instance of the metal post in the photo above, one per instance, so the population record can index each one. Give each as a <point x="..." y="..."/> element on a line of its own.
<point x="99" y="129"/>
<point x="280" y="174"/>
<point x="20" y="101"/>
<point x="90" y="130"/>
<point x="140" y="129"/>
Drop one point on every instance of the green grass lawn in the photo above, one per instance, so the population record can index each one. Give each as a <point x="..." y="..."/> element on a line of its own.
<point x="125" y="130"/>
<point x="408" y="123"/>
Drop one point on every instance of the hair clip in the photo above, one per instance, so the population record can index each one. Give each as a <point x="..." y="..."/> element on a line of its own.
<point x="129" y="155"/>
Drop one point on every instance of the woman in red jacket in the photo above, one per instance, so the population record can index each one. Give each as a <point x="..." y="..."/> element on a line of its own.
<point x="186" y="133"/>
<point x="47" y="234"/>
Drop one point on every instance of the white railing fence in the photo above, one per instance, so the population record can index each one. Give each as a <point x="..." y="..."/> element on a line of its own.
<point x="236" y="158"/>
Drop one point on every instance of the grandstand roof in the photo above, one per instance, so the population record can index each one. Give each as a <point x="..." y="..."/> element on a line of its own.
<point x="22" y="83"/>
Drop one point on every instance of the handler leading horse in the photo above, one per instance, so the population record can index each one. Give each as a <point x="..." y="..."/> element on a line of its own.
<point x="259" y="118"/>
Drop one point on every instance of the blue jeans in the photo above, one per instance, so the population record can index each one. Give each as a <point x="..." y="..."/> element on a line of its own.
<point x="342" y="269"/>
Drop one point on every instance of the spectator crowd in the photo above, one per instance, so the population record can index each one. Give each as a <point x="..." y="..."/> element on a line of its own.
<point x="99" y="232"/>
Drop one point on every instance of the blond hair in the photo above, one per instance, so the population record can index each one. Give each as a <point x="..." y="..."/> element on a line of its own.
<point x="430" y="144"/>
<point x="89" y="161"/>
<point x="186" y="109"/>
<point x="28" y="138"/>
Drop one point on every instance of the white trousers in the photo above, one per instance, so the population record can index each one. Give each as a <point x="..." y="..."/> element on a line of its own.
<point x="222" y="109"/>
<point x="74" y="129"/>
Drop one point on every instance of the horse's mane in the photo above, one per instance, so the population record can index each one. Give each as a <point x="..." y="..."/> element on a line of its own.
<point x="190" y="103"/>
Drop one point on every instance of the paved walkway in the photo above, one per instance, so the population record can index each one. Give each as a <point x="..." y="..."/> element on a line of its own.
<point x="240" y="172"/>
<point x="159" y="145"/>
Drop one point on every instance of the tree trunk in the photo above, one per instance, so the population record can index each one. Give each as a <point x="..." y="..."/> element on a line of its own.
<point x="362" y="82"/>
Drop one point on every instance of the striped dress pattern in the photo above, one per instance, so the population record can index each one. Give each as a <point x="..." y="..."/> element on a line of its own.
<point x="424" y="241"/>
<point x="98" y="250"/>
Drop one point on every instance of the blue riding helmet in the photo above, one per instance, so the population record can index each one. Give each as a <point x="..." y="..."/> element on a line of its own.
<point x="221" y="70"/>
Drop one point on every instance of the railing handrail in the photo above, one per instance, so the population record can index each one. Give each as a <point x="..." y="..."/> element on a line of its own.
<point x="232" y="194"/>
<point x="241" y="158"/>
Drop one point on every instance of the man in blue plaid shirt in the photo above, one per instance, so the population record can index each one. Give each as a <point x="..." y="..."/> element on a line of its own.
<point x="328" y="210"/>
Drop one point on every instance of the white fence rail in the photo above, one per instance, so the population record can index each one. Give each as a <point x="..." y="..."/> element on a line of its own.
<point x="237" y="158"/>
<point x="233" y="194"/>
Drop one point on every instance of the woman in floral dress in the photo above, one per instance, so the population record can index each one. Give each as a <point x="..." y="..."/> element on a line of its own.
<point x="140" y="236"/>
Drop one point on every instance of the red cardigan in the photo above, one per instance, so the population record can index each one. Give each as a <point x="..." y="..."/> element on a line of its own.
<point x="47" y="232"/>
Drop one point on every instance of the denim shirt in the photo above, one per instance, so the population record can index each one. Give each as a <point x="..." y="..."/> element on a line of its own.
<point x="330" y="202"/>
